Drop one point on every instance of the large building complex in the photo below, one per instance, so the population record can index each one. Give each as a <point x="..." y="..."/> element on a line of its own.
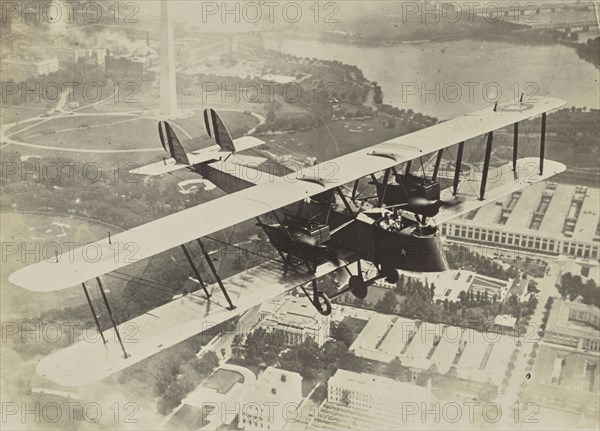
<point x="574" y="325"/>
<point x="476" y="356"/>
<point x="544" y="218"/>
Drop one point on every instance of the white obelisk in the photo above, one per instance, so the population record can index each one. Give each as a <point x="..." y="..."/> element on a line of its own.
<point x="168" y="90"/>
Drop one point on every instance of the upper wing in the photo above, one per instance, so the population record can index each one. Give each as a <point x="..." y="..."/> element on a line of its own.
<point x="276" y="192"/>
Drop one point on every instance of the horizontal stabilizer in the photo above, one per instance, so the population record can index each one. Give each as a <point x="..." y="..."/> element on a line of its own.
<point x="205" y="155"/>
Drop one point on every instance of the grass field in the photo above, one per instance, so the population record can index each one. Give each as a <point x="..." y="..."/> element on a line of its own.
<point x="37" y="233"/>
<point x="107" y="132"/>
<point x="91" y="133"/>
<point x="223" y="380"/>
<point x="12" y="114"/>
<point x="332" y="139"/>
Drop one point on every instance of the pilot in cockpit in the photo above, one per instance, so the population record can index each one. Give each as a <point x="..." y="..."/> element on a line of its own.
<point x="389" y="221"/>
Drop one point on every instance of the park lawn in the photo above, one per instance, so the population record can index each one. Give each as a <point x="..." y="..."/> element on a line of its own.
<point x="39" y="232"/>
<point x="223" y="380"/>
<point x="333" y="139"/>
<point x="252" y="366"/>
<point x="135" y="96"/>
<point x="13" y="114"/>
<point x="118" y="133"/>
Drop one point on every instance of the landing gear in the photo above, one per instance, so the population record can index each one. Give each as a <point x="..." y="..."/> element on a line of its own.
<point x="358" y="286"/>
<point x="322" y="303"/>
<point x="390" y="274"/>
<point x="319" y="299"/>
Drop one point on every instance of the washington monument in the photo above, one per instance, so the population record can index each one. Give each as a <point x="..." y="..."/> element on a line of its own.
<point x="168" y="90"/>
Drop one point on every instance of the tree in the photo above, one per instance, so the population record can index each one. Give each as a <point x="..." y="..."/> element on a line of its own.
<point x="319" y="393"/>
<point x="394" y="368"/>
<point x="236" y="346"/>
<point x="388" y="303"/>
<point x="452" y="372"/>
<point x="342" y="332"/>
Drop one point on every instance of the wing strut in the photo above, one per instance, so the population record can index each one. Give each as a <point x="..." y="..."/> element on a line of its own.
<point x="386" y="178"/>
<point x="101" y="288"/>
<point x="354" y="190"/>
<point x="216" y="275"/>
<point x="542" y="143"/>
<point x="345" y="201"/>
<point x="87" y="295"/>
<point x="486" y="165"/>
<point x="196" y="272"/>
<point x="457" y="168"/>
<point x="515" y="145"/>
<point x="436" y="168"/>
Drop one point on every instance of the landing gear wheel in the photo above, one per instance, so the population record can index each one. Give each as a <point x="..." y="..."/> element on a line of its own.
<point x="322" y="303"/>
<point x="391" y="275"/>
<point x="358" y="287"/>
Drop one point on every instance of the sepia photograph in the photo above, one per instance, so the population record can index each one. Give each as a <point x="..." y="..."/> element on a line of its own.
<point x="300" y="215"/>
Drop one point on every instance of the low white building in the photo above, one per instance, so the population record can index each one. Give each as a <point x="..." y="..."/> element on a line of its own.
<point x="272" y="402"/>
<point x="449" y="284"/>
<point x="375" y="395"/>
<point x="296" y="318"/>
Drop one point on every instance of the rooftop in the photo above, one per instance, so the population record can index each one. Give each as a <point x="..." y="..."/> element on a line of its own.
<point x="560" y="322"/>
<point x="505" y="320"/>
<point x="475" y="355"/>
<point x="561" y="210"/>
<point x="381" y="387"/>
<point x="294" y="312"/>
<point x="587" y="222"/>
<point x="275" y="385"/>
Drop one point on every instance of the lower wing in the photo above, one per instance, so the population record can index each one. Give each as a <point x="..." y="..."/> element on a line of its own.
<point x="89" y="361"/>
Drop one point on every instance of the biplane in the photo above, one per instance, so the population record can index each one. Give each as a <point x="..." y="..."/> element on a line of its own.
<point x="362" y="209"/>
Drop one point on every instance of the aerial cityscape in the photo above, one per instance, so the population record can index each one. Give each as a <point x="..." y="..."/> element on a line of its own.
<point x="289" y="215"/>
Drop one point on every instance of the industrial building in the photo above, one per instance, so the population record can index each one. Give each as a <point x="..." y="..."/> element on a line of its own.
<point x="71" y="56"/>
<point x="547" y="218"/>
<point x="17" y="69"/>
<point x="476" y="356"/>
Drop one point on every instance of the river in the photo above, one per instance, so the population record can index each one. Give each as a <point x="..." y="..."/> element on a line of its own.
<point x="446" y="79"/>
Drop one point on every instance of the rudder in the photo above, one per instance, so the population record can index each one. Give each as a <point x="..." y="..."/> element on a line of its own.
<point x="217" y="130"/>
<point x="171" y="143"/>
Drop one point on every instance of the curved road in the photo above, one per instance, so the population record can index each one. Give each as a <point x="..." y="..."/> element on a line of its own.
<point x="6" y="136"/>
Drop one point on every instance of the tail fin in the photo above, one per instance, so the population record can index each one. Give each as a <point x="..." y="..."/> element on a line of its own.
<point x="171" y="143"/>
<point x="217" y="130"/>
